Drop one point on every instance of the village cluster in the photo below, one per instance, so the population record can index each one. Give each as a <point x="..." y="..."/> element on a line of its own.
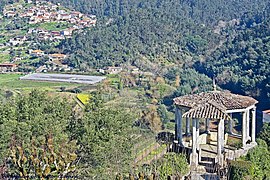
<point x="47" y="12"/>
<point x="43" y="12"/>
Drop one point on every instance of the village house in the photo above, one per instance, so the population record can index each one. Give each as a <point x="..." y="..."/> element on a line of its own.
<point x="76" y="14"/>
<point x="63" y="17"/>
<point x="266" y="116"/>
<point x="7" y="67"/>
<point x="30" y="13"/>
<point x="10" y="14"/>
<point x="67" y="32"/>
<point x="114" y="70"/>
<point x="73" y="21"/>
<point x="57" y="57"/>
<point x="36" y="53"/>
<point x="132" y="69"/>
<point x="101" y="71"/>
<point x="17" y="40"/>
<point x="16" y="59"/>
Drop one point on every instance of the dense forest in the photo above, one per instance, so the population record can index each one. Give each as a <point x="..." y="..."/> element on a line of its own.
<point x="220" y="39"/>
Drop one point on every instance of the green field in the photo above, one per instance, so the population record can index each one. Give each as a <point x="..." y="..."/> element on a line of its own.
<point x="52" y="26"/>
<point x="4" y="57"/>
<point x="11" y="81"/>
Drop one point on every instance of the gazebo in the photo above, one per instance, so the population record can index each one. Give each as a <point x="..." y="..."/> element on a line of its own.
<point x="214" y="106"/>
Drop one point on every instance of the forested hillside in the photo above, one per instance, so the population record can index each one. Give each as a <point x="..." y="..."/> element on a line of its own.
<point x="243" y="60"/>
<point x="151" y="29"/>
<point x="215" y="36"/>
<point x="203" y="11"/>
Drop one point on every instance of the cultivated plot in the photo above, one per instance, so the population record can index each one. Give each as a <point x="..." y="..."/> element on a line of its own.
<point x="71" y="78"/>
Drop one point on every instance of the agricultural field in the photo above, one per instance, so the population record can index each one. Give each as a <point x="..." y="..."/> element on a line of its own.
<point x="11" y="81"/>
<point x="52" y="26"/>
<point x="83" y="98"/>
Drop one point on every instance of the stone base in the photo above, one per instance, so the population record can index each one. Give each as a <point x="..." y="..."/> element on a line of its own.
<point x="194" y="160"/>
<point x="253" y="144"/>
<point x="220" y="160"/>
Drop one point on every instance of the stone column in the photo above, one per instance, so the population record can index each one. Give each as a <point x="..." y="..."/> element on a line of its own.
<point x="248" y="123"/>
<point x="187" y="127"/>
<point x="253" y="130"/>
<point x="231" y="125"/>
<point x="220" y="142"/>
<point x="198" y="133"/>
<point x="178" y="120"/>
<point x="194" y="154"/>
<point x="207" y="123"/>
<point x="244" y="128"/>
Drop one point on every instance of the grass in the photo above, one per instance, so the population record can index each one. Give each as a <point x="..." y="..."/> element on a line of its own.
<point x="4" y="57"/>
<point x="11" y="81"/>
<point x="52" y="26"/>
<point x="84" y="98"/>
<point x="155" y="152"/>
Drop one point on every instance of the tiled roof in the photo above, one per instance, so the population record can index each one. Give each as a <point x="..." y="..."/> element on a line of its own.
<point x="213" y="104"/>
<point x="225" y="98"/>
<point x="209" y="110"/>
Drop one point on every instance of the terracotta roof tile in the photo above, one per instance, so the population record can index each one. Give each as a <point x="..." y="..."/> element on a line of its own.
<point x="225" y="98"/>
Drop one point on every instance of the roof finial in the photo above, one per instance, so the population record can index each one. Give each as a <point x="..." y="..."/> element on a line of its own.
<point x="214" y="84"/>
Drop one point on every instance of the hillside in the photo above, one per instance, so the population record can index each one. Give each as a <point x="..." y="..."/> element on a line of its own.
<point x="156" y="35"/>
<point x="29" y="32"/>
<point x="243" y="60"/>
<point x="156" y="30"/>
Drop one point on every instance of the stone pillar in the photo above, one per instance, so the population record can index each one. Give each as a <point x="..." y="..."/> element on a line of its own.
<point x="220" y="142"/>
<point x="194" y="154"/>
<point x="187" y="127"/>
<point x="207" y="124"/>
<point x="178" y="120"/>
<point x="244" y="128"/>
<point x="198" y="133"/>
<point x="253" y="130"/>
<point x="231" y="125"/>
<point x="248" y="123"/>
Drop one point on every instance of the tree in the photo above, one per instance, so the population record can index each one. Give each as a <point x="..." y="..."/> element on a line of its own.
<point x="265" y="133"/>
<point x="151" y="119"/>
<point x="105" y="138"/>
<point x="33" y="115"/>
<point x="177" y="81"/>
<point x="42" y="160"/>
<point x="172" y="164"/>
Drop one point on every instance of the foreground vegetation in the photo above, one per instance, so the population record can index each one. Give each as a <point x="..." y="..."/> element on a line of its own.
<point x="256" y="164"/>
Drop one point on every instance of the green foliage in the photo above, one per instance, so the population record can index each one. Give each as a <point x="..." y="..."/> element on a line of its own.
<point x="240" y="170"/>
<point x="33" y="115"/>
<point x="191" y="81"/>
<point x="172" y="164"/>
<point x="105" y="141"/>
<point x="42" y="160"/>
<point x="151" y="119"/>
<point x="242" y="62"/>
<point x="265" y="133"/>
<point x="163" y="113"/>
<point x="256" y="165"/>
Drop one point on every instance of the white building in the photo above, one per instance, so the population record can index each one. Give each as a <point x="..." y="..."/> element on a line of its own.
<point x="266" y="116"/>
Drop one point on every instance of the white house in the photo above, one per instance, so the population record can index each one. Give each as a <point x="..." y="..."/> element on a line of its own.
<point x="266" y="116"/>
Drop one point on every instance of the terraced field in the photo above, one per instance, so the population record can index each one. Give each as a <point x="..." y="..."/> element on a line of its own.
<point x="11" y="81"/>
